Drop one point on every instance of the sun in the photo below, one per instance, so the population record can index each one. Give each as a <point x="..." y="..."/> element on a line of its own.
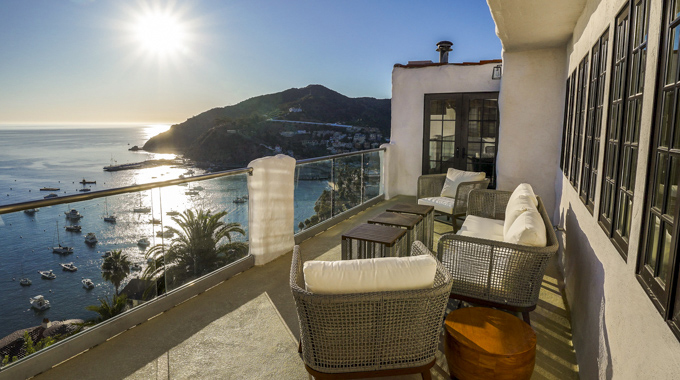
<point x="160" y="33"/>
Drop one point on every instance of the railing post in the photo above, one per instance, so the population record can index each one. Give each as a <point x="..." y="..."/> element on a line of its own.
<point x="271" y="210"/>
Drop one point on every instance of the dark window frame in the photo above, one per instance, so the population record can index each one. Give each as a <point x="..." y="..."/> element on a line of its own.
<point x="579" y="121"/>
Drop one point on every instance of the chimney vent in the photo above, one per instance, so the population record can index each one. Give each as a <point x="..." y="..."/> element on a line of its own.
<point x="444" y="47"/>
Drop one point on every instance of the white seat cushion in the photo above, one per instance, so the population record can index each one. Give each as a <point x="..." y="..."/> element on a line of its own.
<point x="441" y="204"/>
<point x="528" y="229"/>
<point x="455" y="177"/>
<point x="483" y="228"/>
<point x="516" y="206"/>
<point x="370" y="275"/>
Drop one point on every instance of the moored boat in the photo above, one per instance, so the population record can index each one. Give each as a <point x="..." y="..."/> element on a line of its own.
<point x="85" y="182"/>
<point x="73" y="228"/>
<point x="39" y="302"/>
<point x="47" y="274"/>
<point x="87" y="283"/>
<point x="143" y="242"/>
<point x="91" y="238"/>
<point x="31" y="211"/>
<point x="25" y="282"/>
<point x="49" y="189"/>
<point x="52" y="195"/>
<point x="69" y="267"/>
<point x="73" y="214"/>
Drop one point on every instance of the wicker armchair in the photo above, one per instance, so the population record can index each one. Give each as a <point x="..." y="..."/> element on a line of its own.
<point x="370" y="334"/>
<point x="495" y="273"/>
<point x="430" y="186"/>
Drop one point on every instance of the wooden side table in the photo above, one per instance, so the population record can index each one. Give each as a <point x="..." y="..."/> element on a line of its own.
<point x="405" y="221"/>
<point x="483" y="343"/>
<point x="425" y="229"/>
<point x="368" y="241"/>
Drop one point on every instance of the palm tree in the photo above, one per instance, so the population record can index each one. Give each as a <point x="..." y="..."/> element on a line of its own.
<point x="197" y="247"/>
<point x="115" y="268"/>
<point x="107" y="309"/>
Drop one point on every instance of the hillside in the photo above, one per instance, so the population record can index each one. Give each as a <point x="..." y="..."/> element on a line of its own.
<point x="236" y="134"/>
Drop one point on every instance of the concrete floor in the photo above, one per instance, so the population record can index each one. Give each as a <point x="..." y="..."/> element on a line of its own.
<point x="247" y="328"/>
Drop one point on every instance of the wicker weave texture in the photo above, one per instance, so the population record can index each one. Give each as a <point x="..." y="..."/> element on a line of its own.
<point x="430" y="185"/>
<point x="494" y="271"/>
<point x="370" y="331"/>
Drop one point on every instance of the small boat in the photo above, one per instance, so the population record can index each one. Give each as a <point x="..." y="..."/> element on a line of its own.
<point x="73" y="228"/>
<point x="73" y="214"/>
<point x="52" y="195"/>
<point x="49" y="189"/>
<point x="84" y="189"/>
<point x="165" y="234"/>
<point x="155" y="221"/>
<point x="191" y="192"/>
<point x="241" y="200"/>
<point x="142" y="210"/>
<point x="62" y="250"/>
<point x="143" y="242"/>
<point x="31" y="211"/>
<point x="85" y="182"/>
<point x="25" y="282"/>
<point x="91" y="238"/>
<point x="199" y="188"/>
<point x="39" y="303"/>
<point x="69" y="267"/>
<point x="107" y="254"/>
<point x="87" y="283"/>
<point x="110" y="218"/>
<point x="183" y="184"/>
<point x="172" y="213"/>
<point x="47" y="274"/>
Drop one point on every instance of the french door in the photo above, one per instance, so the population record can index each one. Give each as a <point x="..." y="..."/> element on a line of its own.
<point x="460" y="131"/>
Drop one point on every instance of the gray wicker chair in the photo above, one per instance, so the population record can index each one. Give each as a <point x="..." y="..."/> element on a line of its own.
<point x="370" y="334"/>
<point x="430" y="185"/>
<point x="495" y="273"/>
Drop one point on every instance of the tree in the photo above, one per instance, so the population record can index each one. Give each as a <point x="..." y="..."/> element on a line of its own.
<point x="115" y="268"/>
<point x="202" y="244"/>
<point x="109" y="309"/>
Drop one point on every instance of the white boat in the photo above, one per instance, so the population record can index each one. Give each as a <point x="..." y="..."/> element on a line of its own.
<point x="51" y="195"/>
<point x="25" y="281"/>
<point x="191" y="192"/>
<point x="69" y="267"/>
<point x="73" y="228"/>
<point x="240" y="200"/>
<point x="107" y="254"/>
<point x="87" y="283"/>
<point x="39" y="303"/>
<point x="61" y="249"/>
<point x="198" y="188"/>
<point x="91" y="238"/>
<point x="143" y="242"/>
<point x="73" y="214"/>
<point x="165" y="234"/>
<point x="47" y="274"/>
<point x="31" y="211"/>
<point x="172" y="213"/>
<point x="142" y="210"/>
<point x="109" y="217"/>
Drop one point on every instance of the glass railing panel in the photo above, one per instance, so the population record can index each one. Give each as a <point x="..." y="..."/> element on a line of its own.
<point x="201" y="227"/>
<point x="313" y="197"/>
<point x="346" y="184"/>
<point x="372" y="175"/>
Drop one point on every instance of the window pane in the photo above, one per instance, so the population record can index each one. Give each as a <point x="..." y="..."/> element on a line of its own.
<point x="449" y="131"/>
<point x="635" y="61"/>
<point x="490" y="109"/>
<point x="672" y="192"/>
<point x="666" y="118"/>
<point x="450" y="110"/>
<point x="653" y="242"/>
<point x="643" y="62"/>
<point x="476" y="106"/>
<point x="435" y="130"/>
<point x="633" y="169"/>
<point x="447" y="150"/>
<point x="436" y="109"/>
<point x="659" y="183"/>
<point x="673" y="55"/>
<point x="474" y="133"/>
<point x="665" y="253"/>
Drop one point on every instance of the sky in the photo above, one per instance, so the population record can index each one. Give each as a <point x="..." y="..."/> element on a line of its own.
<point x="153" y="61"/>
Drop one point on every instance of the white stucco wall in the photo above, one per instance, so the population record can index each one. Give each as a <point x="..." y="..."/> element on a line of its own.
<point x="531" y="106"/>
<point x="271" y="207"/>
<point x="409" y="86"/>
<point x="617" y="331"/>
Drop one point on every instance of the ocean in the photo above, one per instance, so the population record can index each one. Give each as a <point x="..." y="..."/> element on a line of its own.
<point x="32" y="157"/>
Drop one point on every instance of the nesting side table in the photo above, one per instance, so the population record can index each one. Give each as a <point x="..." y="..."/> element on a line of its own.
<point x="368" y="241"/>
<point x="425" y="229"/>
<point x="397" y="220"/>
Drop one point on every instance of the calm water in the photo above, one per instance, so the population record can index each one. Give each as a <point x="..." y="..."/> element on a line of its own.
<point x="35" y="157"/>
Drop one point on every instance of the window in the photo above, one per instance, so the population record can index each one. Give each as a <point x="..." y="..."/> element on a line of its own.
<point x="579" y="119"/>
<point x="658" y="259"/>
<point x="568" y="120"/>
<point x="621" y="150"/>
<point x="460" y="131"/>
<point x="591" y="154"/>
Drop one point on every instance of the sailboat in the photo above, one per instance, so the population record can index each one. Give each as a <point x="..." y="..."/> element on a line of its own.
<point x="108" y="217"/>
<point x="142" y="209"/>
<point x="62" y="250"/>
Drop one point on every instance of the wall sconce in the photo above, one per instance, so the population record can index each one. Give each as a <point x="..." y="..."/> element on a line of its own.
<point x="496" y="74"/>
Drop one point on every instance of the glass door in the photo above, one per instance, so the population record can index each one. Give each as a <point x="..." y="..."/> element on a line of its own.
<point x="460" y="131"/>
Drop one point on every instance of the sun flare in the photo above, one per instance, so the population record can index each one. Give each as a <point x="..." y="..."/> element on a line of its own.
<point x="160" y="33"/>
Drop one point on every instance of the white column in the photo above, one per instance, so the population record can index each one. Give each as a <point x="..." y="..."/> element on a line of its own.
<point x="271" y="207"/>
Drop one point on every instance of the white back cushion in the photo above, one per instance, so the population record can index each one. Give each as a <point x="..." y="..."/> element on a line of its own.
<point x="522" y="199"/>
<point x="370" y="275"/>
<point x="455" y="177"/>
<point x="528" y="229"/>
